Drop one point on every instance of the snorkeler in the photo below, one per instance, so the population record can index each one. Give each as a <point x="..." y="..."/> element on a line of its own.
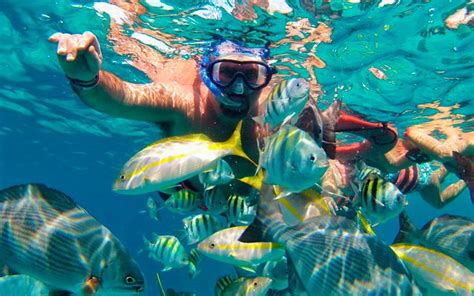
<point x="210" y="96"/>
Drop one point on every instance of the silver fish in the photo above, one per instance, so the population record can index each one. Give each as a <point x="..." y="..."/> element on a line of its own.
<point x="329" y="255"/>
<point x="286" y="101"/>
<point x="201" y="226"/>
<point x="169" y="161"/>
<point x="22" y="284"/>
<point x="239" y="212"/>
<point x="46" y="235"/>
<point x="221" y="174"/>
<point x="292" y="160"/>
<point x="449" y="234"/>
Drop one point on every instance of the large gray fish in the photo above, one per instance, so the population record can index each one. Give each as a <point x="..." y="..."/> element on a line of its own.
<point x="285" y="102"/>
<point x="329" y="255"/>
<point x="321" y="125"/>
<point x="292" y="160"/>
<point x="22" y="284"/>
<point x="46" y="235"/>
<point x="449" y="234"/>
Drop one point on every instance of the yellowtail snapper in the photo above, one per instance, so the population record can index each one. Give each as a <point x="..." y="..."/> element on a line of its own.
<point x="292" y="160"/>
<point x="201" y="226"/>
<point x="329" y="255"/>
<point x="47" y="236"/>
<point x="183" y="201"/>
<point x="219" y="175"/>
<point x="435" y="272"/>
<point x="225" y="246"/>
<point x="168" y="250"/>
<point x="166" y="163"/>
<point x="449" y="234"/>
<point x="285" y="102"/>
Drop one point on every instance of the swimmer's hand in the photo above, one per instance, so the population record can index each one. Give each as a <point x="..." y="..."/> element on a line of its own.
<point x="79" y="55"/>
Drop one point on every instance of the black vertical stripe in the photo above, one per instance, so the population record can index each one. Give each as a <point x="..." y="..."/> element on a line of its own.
<point x="374" y="196"/>
<point x="414" y="180"/>
<point x="365" y="190"/>
<point x="205" y="219"/>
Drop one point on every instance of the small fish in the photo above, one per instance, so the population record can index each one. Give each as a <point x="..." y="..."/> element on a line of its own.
<point x="448" y="234"/>
<point x="221" y="174"/>
<point x="257" y="286"/>
<point x="286" y="101"/>
<point x="292" y="160"/>
<point x="239" y="213"/>
<point x="329" y="254"/>
<point x="225" y="246"/>
<point x="168" y="250"/>
<point x="378" y="73"/>
<point x="278" y="272"/>
<point x="434" y="272"/>
<point x="222" y="283"/>
<point x="200" y="227"/>
<point x="194" y="259"/>
<point x="182" y="202"/>
<point x="152" y="209"/>
<point x="321" y="125"/>
<point x="215" y="201"/>
<point x="172" y="160"/>
<point x="379" y="199"/>
<point x="47" y="236"/>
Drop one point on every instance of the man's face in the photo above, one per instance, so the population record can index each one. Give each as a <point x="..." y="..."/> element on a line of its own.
<point x="239" y="75"/>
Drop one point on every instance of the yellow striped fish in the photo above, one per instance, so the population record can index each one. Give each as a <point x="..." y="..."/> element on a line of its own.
<point x="257" y="286"/>
<point x="225" y="246"/>
<point x="182" y="202"/>
<point x="194" y="259"/>
<point x="47" y="236"/>
<point x="435" y="272"/>
<point x="170" y="161"/>
<point x="286" y="101"/>
<point x="201" y="226"/>
<point x="168" y="250"/>
<point x="292" y="160"/>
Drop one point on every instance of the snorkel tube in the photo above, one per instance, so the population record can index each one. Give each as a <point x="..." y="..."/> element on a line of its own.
<point x="222" y="48"/>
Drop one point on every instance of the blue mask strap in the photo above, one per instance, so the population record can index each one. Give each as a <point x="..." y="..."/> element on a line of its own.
<point x="205" y="78"/>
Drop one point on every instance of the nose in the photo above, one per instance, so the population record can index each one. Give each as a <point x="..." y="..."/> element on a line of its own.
<point x="238" y="86"/>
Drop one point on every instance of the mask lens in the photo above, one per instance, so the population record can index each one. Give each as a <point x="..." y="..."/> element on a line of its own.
<point x="255" y="74"/>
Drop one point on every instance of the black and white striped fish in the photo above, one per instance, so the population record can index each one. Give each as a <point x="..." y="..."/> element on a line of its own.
<point x="239" y="213"/>
<point x="201" y="226"/>
<point x="168" y="250"/>
<point x="194" y="259"/>
<point x="221" y="174"/>
<point x="215" y="201"/>
<point x="47" y="236"/>
<point x="379" y="199"/>
<point x="285" y="102"/>
<point x="183" y="201"/>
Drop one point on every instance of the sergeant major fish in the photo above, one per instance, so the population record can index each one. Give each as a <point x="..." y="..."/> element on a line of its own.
<point x="292" y="160"/>
<point x="182" y="202"/>
<point x="286" y="101"/>
<point x="201" y="226"/>
<point x="47" y="236"/>
<point x="172" y="160"/>
<point x="168" y="250"/>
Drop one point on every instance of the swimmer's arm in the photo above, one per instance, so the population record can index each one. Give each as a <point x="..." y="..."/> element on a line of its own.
<point x="157" y="102"/>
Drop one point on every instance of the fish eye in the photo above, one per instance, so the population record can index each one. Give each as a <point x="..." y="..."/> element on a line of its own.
<point x="255" y="284"/>
<point x="122" y="177"/>
<point x="312" y="158"/>
<point x="212" y="245"/>
<point x="130" y="279"/>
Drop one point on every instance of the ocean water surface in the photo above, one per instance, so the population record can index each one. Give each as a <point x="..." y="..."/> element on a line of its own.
<point x="47" y="135"/>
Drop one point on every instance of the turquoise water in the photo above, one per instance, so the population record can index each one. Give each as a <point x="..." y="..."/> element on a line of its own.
<point x="48" y="135"/>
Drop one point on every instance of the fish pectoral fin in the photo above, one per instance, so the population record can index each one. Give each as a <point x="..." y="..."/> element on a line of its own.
<point x="380" y="203"/>
<point x="287" y="119"/>
<point x="283" y="193"/>
<point x="166" y="268"/>
<point x="248" y="268"/>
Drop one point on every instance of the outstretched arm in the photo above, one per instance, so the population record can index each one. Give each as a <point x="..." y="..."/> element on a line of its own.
<point x="80" y="58"/>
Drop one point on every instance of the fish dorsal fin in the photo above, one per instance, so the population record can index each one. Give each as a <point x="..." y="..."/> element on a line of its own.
<point x="407" y="228"/>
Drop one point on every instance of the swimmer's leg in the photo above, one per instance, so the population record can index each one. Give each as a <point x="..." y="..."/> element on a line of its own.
<point x="429" y="145"/>
<point x="433" y="195"/>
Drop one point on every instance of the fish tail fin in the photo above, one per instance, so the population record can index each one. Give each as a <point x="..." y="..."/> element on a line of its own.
<point x="254" y="181"/>
<point x="407" y="228"/>
<point x="235" y="141"/>
<point x="268" y="218"/>
<point x="330" y="117"/>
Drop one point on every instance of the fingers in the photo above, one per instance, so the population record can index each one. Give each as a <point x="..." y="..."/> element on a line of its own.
<point x="55" y="37"/>
<point x="94" y="60"/>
